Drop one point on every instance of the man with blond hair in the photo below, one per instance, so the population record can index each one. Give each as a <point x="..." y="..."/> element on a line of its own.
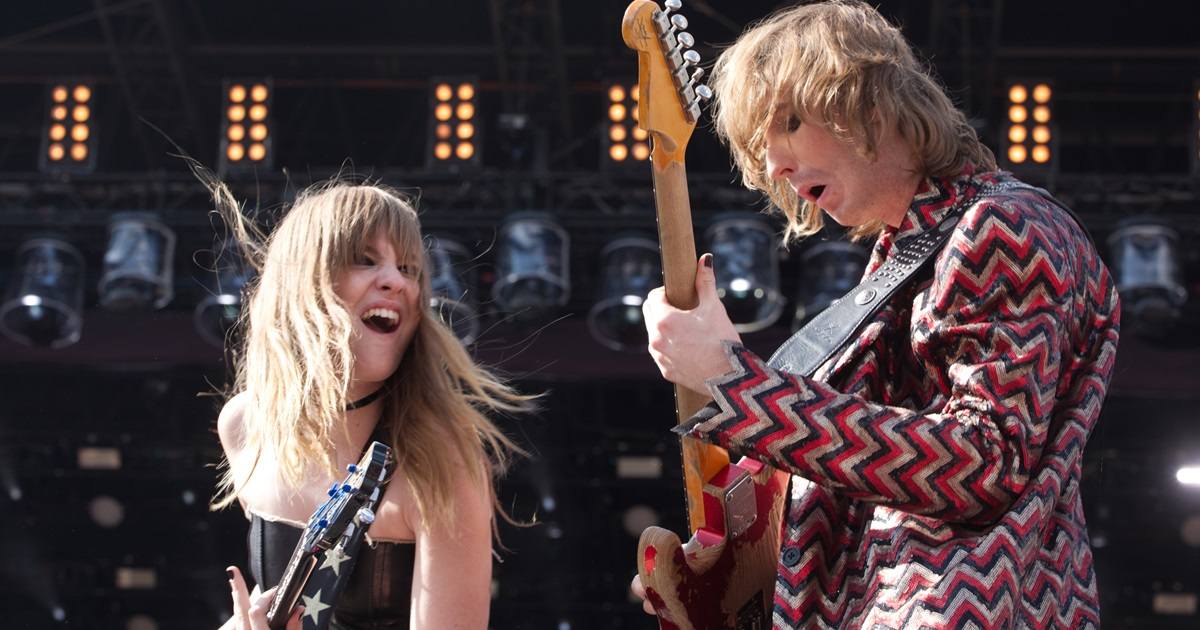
<point x="935" y="458"/>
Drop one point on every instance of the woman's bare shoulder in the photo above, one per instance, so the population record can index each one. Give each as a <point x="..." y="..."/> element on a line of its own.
<point x="230" y="424"/>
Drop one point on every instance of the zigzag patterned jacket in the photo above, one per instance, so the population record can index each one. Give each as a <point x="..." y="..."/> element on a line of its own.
<point x="936" y="460"/>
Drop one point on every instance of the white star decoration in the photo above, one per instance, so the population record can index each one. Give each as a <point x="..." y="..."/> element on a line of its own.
<point x="313" y="606"/>
<point x="333" y="560"/>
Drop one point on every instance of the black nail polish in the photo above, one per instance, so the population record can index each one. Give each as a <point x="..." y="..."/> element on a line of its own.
<point x="708" y="260"/>
<point x="229" y="572"/>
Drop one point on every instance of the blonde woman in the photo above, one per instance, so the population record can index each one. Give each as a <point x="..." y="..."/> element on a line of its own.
<point x="340" y="347"/>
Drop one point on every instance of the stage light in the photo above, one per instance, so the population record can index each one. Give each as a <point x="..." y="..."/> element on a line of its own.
<point x="637" y="518"/>
<point x="138" y="263"/>
<point x="43" y="303"/>
<point x="532" y="267"/>
<point x="98" y="458"/>
<point x="746" y="261"/>
<point x="453" y="282"/>
<point x="136" y="578"/>
<point x="69" y="110"/>
<point x="247" y="142"/>
<point x="629" y="268"/>
<point x="454" y="111"/>
<point x="623" y="139"/>
<point x="1031" y="153"/>
<point x="106" y="511"/>
<point x="828" y="270"/>
<point x="218" y="312"/>
<point x="1144" y="254"/>
<point x="1188" y="475"/>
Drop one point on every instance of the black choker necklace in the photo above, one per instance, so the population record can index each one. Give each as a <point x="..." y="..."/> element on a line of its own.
<point x="365" y="400"/>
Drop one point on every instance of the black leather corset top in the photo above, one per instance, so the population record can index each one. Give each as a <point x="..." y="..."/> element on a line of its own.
<point x="378" y="592"/>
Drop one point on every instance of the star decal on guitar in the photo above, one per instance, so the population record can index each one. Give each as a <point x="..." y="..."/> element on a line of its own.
<point x="313" y="606"/>
<point x="333" y="560"/>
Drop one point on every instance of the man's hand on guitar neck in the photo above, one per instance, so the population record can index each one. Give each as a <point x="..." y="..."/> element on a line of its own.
<point x="688" y="345"/>
<point x="250" y="609"/>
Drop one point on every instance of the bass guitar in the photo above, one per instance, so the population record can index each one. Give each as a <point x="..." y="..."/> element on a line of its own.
<point x="335" y="528"/>
<point x="724" y="576"/>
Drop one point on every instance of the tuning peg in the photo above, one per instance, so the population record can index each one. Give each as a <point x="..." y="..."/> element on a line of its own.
<point x="673" y="5"/>
<point x="697" y="74"/>
<point x="691" y="57"/>
<point x="366" y="516"/>
<point x="679" y="21"/>
<point x="686" y="40"/>
<point x="352" y="469"/>
<point x="704" y="92"/>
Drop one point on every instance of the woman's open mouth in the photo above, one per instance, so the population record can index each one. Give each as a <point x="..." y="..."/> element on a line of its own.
<point x="382" y="320"/>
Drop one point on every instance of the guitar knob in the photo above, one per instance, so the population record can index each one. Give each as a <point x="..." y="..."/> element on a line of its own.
<point x="332" y="490"/>
<point x="673" y="5"/>
<point x="704" y="92"/>
<point x="686" y="40"/>
<point x="691" y="57"/>
<point x="679" y="21"/>
<point x="366" y="516"/>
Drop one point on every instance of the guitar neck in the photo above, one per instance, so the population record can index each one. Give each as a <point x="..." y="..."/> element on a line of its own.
<point x="678" y="248"/>
<point x="290" y="586"/>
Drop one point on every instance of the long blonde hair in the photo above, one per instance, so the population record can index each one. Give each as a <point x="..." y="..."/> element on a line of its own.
<point x="839" y="64"/>
<point x="295" y="358"/>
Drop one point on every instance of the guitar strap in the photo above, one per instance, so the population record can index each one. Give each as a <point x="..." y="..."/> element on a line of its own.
<point x="827" y="333"/>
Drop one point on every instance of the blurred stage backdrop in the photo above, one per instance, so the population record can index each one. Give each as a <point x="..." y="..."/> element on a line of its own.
<point x="514" y="122"/>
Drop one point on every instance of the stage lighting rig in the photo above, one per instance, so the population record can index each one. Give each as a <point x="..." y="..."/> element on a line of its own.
<point x="624" y="142"/>
<point x="453" y="283"/>
<point x="454" y="129"/>
<point x="43" y="304"/>
<point x="1030" y="142"/>
<point x="746" y="262"/>
<point x="828" y="270"/>
<point x="247" y="138"/>
<point x="1145" y="257"/>
<point x="68" y="139"/>
<point x="630" y="267"/>
<point x="532" y="267"/>
<point x="138" y="263"/>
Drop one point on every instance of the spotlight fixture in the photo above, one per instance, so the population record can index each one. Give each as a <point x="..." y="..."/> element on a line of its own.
<point x="829" y="270"/>
<point x="1031" y="139"/>
<point x="452" y="282"/>
<point x="624" y="141"/>
<point x="218" y="312"/>
<point x="532" y="275"/>
<point x="247" y="137"/>
<point x="454" y="131"/>
<point x="1145" y="262"/>
<point x="629" y="268"/>
<point x="137" y="263"/>
<point x="746" y="261"/>
<point x="43" y="304"/>
<point x="68" y="139"/>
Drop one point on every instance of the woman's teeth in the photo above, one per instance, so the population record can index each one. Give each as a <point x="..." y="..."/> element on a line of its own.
<point x="381" y="320"/>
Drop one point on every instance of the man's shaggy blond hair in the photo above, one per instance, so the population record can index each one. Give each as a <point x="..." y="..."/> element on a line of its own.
<point x="841" y="65"/>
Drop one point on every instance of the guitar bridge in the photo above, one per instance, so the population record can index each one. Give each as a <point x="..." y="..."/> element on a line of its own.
<point x="741" y="510"/>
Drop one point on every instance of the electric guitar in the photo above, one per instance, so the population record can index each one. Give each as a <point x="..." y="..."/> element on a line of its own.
<point x="724" y="576"/>
<point x="333" y="527"/>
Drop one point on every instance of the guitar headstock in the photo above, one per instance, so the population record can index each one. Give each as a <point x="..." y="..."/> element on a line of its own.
<point x="669" y="73"/>
<point x="348" y="497"/>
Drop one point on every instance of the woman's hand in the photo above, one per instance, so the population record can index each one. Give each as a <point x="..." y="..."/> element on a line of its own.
<point x="687" y="345"/>
<point x="250" y="609"/>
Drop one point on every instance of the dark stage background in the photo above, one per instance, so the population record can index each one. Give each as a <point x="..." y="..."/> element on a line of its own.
<point x="134" y="546"/>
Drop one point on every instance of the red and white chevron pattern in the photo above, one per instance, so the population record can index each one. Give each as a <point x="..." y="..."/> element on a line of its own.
<point x="937" y="459"/>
